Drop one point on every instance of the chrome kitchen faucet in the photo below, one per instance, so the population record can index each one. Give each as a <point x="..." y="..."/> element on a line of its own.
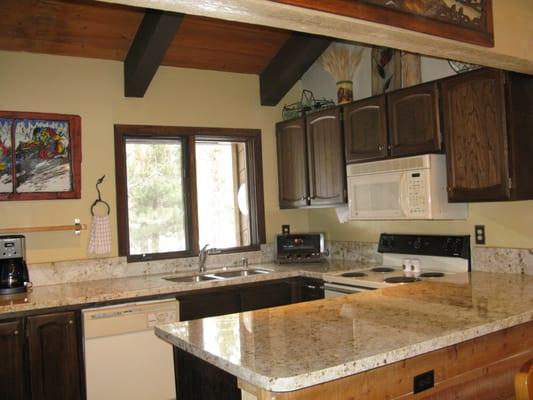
<point x="202" y="257"/>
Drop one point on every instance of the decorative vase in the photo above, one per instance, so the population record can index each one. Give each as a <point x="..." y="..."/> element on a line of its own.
<point x="344" y="92"/>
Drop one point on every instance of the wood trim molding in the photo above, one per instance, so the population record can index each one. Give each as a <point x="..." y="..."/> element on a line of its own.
<point x="390" y="16"/>
<point x="155" y="33"/>
<point x="510" y="51"/>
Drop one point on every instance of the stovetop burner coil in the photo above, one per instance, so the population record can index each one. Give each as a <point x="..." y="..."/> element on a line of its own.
<point x="401" y="279"/>
<point x="353" y="274"/>
<point x="432" y="275"/>
<point x="382" y="269"/>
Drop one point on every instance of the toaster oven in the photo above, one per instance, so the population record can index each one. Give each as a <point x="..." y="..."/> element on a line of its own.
<point x="300" y="248"/>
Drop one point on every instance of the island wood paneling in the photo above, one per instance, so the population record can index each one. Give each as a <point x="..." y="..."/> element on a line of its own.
<point x="481" y="368"/>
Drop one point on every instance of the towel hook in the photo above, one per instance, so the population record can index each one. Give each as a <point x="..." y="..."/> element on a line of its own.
<point x="99" y="199"/>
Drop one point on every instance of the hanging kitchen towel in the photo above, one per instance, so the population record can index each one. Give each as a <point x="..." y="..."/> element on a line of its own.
<point x="100" y="236"/>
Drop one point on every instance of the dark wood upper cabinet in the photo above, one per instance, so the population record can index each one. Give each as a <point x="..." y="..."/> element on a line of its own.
<point x="327" y="182"/>
<point x="488" y="122"/>
<point x="311" y="160"/>
<point x="12" y="365"/>
<point x="292" y="163"/>
<point x="413" y="115"/>
<point x="54" y="357"/>
<point x="365" y="130"/>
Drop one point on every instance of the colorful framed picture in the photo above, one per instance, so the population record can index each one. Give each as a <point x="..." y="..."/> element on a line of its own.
<point x="40" y="156"/>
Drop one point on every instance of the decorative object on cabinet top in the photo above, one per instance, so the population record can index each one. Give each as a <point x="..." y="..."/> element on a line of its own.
<point x="341" y="62"/>
<point x="40" y="156"/>
<point x="307" y="104"/>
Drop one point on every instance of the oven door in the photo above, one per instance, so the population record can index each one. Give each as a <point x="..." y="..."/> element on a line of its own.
<point x="335" y="289"/>
<point x="378" y="196"/>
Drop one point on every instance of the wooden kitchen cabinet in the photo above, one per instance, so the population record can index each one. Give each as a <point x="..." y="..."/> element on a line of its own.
<point x="205" y="305"/>
<point x="54" y="357"/>
<point x="327" y="170"/>
<point x="488" y="122"/>
<point x="292" y="163"/>
<point x="308" y="289"/>
<point x="365" y="130"/>
<point x="413" y="115"/>
<point x="12" y="363"/>
<point x="311" y="161"/>
<point x="266" y="295"/>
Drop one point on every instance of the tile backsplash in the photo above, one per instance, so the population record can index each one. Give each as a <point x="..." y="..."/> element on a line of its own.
<point x="487" y="259"/>
<point x="494" y="259"/>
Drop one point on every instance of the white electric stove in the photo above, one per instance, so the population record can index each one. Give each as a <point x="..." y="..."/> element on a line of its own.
<point x="406" y="259"/>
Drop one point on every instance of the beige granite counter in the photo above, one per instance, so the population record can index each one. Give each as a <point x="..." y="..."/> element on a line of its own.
<point x="292" y="347"/>
<point x="129" y="288"/>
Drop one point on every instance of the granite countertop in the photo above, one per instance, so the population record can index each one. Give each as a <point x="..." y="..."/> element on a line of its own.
<point x="291" y="347"/>
<point x="129" y="288"/>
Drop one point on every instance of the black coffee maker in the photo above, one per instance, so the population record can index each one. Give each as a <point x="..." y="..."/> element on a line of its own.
<point x="14" y="277"/>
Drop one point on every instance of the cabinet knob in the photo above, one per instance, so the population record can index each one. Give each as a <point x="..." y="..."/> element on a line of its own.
<point x="70" y="322"/>
<point x="380" y="147"/>
<point x="308" y="197"/>
<point x="16" y="333"/>
<point x="449" y="189"/>
<point x="303" y="198"/>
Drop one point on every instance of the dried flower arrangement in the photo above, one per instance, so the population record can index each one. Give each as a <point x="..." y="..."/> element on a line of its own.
<point x="341" y="61"/>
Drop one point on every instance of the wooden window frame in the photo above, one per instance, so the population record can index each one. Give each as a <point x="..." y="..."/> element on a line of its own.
<point x="188" y="136"/>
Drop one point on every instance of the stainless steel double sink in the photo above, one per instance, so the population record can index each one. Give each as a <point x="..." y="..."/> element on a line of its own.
<point x="217" y="275"/>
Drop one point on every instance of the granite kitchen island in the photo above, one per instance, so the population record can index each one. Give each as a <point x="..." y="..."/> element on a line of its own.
<point x="465" y="333"/>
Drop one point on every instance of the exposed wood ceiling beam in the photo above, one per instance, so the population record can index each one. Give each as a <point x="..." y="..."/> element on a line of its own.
<point x="155" y="33"/>
<point x="293" y="59"/>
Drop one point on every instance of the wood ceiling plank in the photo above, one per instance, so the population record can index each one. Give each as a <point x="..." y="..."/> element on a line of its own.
<point x="211" y="59"/>
<point x="156" y="32"/>
<point x="75" y="28"/>
<point x="291" y="62"/>
<point x="219" y="45"/>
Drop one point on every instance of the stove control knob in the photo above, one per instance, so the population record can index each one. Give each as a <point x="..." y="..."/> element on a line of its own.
<point x="417" y="244"/>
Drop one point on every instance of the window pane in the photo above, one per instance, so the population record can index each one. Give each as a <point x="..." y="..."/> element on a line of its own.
<point x="222" y="194"/>
<point x="155" y="196"/>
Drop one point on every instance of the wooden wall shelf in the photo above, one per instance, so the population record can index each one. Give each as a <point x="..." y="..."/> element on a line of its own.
<point x="77" y="227"/>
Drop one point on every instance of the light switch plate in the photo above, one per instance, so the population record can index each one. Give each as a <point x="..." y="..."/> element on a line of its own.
<point x="479" y="231"/>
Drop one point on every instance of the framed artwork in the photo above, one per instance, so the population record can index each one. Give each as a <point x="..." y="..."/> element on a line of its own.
<point x="40" y="156"/>
<point x="386" y="70"/>
<point x="467" y="21"/>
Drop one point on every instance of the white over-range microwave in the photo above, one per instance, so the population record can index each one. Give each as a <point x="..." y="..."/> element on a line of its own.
<point x="401" y="188"/>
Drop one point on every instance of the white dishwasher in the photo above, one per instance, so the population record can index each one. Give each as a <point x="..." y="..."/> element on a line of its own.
<point x="123" y="357"/>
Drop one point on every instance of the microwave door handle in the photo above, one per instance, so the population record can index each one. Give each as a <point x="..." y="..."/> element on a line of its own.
<point x="403" y="199"/>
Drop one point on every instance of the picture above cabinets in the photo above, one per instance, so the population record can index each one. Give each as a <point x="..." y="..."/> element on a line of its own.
<point x="311" y="166"/>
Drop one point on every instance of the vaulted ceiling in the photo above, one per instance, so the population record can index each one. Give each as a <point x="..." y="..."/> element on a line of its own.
<point x="86" y="28"/>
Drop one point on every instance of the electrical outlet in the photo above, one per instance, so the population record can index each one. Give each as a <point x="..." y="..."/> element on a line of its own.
<point x="479" y="231"/>
<point x="424" y="381"/>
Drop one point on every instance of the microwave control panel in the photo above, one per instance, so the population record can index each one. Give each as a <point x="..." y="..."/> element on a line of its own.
<point x="417" y="193"/>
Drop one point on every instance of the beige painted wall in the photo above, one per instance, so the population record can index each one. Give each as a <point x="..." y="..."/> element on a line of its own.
<point x="93" y="89"/>
<point x="507" y="224"/>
